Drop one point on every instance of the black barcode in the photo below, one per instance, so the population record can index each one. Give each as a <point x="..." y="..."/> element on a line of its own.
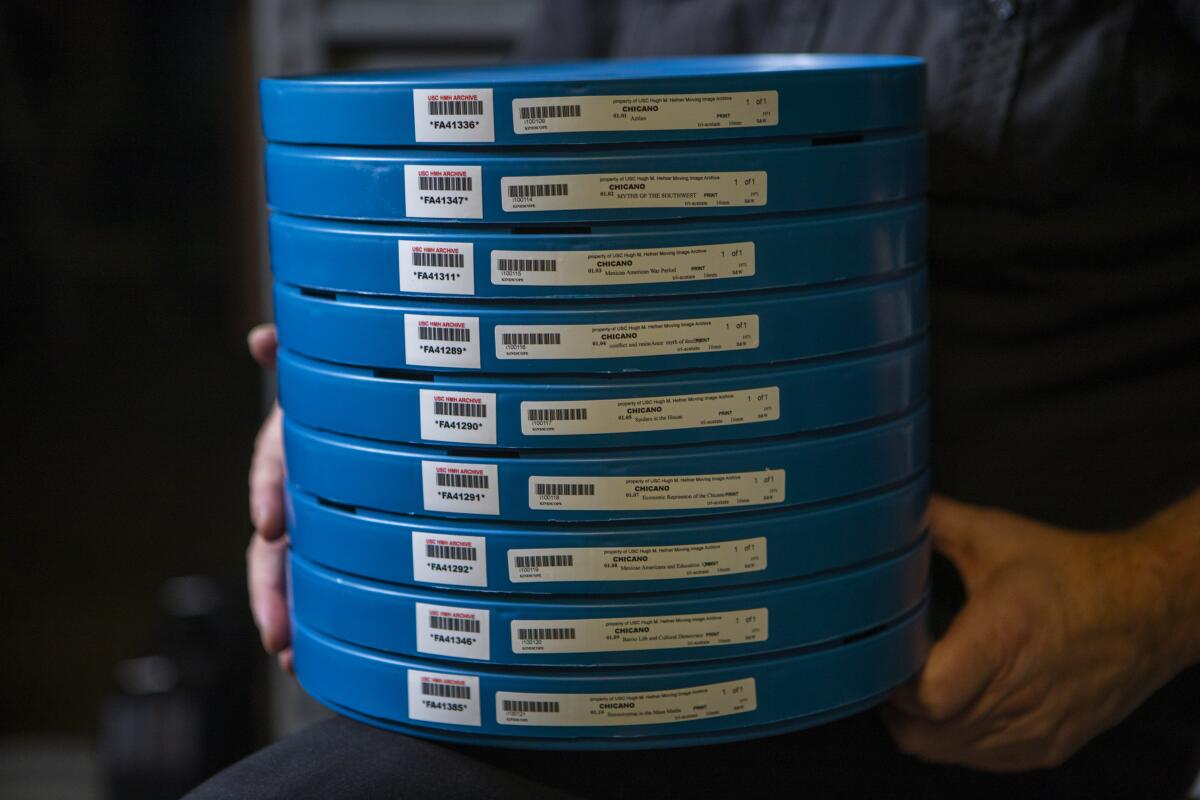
<point x="565" y="488"/>
<point x="557" y="560"/>
<point x="457" y="624"/>
<point x="544" y="634"/>
<point x="531" y="338"/>
<point x="528" y="265"/>
<point x="460" y="481"/>
<point x="442" y="108"/>
<point x="450" y="408"/>
<point x="537" y="190"/>
<point x="556" y="414"/>
<point x="446" y="690"/>
<point x="450" y="551"/>
<point x="537" y="706"/>
<point x="438" y="260"/>
<point x="550" y="112"/>
<point x="443" y="334"/>
<point x="444" y="183"/>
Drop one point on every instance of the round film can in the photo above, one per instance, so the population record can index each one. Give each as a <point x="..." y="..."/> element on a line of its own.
<point x="655" y="335"/>
<point x="574" y="411"/>
<point x="594" y="261"/>
<point x="615" y="183"/>
<point x="593" y="102"/>
<point x="608" y="558"/>
<point x="750" y="475"/>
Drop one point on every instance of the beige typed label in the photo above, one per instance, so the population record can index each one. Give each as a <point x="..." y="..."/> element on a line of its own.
<point x="647" y="563"/>
<point x="581" y="192"/>
<point x="639" y="633"/>
<point x="682" y="264"/>
<point x="657" y="492"/>
<point x="654" y="413"/>
<point x="634" y="708"/>
<point x="645" y="112"/>
<point x="627" y="339"/>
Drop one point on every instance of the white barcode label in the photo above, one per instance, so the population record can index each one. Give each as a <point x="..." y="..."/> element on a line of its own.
<point x="662" y="112"/>
<point x="663" y="413"/>
<point x="458" y="416"/>
<point x="635" y="708"/>
<point x="639" y="633"/>
<point x="457" y="560"/>
<point x="461" y="488"/>
<point x="442" y="697"/>
<point x="453" y="631"/>
<point x="443" y="192"/>
<point x="437" y="267"/>
<point x="453" y="115"/>
<point x="650" y="563"/>
<point x="657" y="492"/>
<point x="441" y="341"/>
<point x="627" y="339"/>
<point x="633" y="190"/>
<point x="621" y="267"/>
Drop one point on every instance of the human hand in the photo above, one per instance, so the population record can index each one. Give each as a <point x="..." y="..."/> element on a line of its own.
<point x="1063" y="635"/>
<point x="267" y="553"/>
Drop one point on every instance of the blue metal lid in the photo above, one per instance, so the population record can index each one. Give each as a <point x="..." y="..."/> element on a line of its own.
<point x="608" y="485"/>
<point x="643" y="100"/>
<point x="600" y="183"/>
<point x="605" y="260"/>
<point x="575" y="411"/>
<point x="736" y="329"/>
<point x="607" y="558"/>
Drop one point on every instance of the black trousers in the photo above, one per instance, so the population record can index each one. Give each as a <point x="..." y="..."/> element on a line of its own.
<point x="339" y="759"/>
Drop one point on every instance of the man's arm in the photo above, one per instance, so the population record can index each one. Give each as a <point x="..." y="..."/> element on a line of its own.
<point x="1175" y="535"/>
<point x="1064" y="633"/>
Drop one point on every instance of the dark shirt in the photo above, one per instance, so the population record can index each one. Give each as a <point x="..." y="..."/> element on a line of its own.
<point x="1065" y="224"/>
<point x="1065" y="240"/>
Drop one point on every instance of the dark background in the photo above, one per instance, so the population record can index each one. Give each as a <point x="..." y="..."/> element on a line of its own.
<point x="133" y="266"/>
<point x="129" y="405"/>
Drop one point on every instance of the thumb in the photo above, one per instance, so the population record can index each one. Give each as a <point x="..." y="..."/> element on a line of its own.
<point x="263" y="343"/>
<point x="960" y="666"/>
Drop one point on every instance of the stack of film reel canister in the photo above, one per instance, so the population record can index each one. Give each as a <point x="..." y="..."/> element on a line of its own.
<point x="604" y="389"/>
